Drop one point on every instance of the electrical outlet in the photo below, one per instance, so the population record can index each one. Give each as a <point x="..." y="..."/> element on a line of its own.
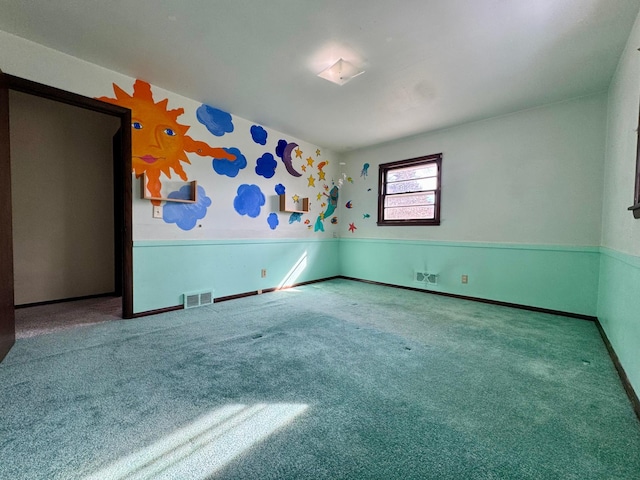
<point x="157" y="211"/>
<point x="263" y="273"/>
<point x="465" y="278"/>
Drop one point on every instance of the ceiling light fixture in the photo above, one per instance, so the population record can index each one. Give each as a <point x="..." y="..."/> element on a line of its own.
<point x="340" y="72"/>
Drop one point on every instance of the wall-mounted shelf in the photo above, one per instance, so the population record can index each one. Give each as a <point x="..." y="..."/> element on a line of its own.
<point x="193" y="197"/>
<point x="285" y="208"/>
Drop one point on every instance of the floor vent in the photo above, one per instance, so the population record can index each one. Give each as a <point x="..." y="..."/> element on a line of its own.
<point x="198" y="299"/>
<point x="426" y="278"/>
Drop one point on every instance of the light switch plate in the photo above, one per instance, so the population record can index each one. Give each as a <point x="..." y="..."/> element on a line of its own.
<point x="157" y="211"/>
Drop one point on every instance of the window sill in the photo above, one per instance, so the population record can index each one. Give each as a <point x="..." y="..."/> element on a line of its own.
<point x="407" y="223"/>
<point x="635" y="209"/>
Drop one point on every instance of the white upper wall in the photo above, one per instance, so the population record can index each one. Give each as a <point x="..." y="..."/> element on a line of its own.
<point x="532" y="177"/>
<point x="224" y="217"/>
<point x="620" y="231"/>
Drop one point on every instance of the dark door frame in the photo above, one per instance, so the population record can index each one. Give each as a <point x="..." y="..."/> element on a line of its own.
<point x="7" y="318"/>
<point x="122" y="198"/>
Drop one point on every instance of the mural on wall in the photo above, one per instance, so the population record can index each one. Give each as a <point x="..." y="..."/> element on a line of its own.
<point x="249" y="200"/>
<point x="258" y="134"/>
<point x="266" y="165"/>
<point x="331" y="207"/>
<point x="284" y="150"/>
<point x="186" y="215"/>
<point x="161" y="147"/>
<point x="229" y="168"/>
<point x="217" y="121"/>
<point x="158" y="142"/>
<point x="273" y="221"/>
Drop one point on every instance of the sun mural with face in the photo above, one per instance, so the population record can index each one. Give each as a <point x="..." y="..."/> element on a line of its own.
<point x="158" y="142"/>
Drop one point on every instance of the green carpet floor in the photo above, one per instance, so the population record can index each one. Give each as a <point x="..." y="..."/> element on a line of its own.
<point x="335" y="380"/>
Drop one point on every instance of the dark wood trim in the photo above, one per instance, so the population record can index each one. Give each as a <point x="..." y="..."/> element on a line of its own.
<point x="156" y="312"/>
<point x="635" y="208"/>
<point x="127" y="218"/>
<point x="633" y="397"/>
<point x="118" y="209"/>
<point x="579" y="316"/>
<point x="58" y="95"/>
<point x="70" y="299"/>
<point x="383" y="168"/>
<point x="272" y="289"/>
<point x="308" y="282"/>
<point x="237" y="296"/>
<point x="7" y="317"/>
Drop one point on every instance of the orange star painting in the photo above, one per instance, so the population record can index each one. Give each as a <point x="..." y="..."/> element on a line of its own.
<point x="158" y="142"/>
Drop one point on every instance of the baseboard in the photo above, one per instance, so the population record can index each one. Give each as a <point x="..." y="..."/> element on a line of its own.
<point x="633" y="397"/>
<point x="415" y="289"/>
<point x="234" y="297"/>
<point x="146" y="313"/>
<point x="272" y="289"/>
<point x="579" y="316"/>
<point x="70" y="299"/>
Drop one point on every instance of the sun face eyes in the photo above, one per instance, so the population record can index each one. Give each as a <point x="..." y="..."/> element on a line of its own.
<point x="170" y="132"/>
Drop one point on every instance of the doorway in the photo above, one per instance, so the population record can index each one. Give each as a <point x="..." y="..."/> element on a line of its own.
<point x="122" y="242"/>
<point x="62" y="191"/>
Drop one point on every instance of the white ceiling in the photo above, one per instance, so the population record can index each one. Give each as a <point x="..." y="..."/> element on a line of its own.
<point x="429" y="64"/>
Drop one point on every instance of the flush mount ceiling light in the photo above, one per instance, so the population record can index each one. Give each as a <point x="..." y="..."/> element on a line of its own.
<point x="340" y="72"/>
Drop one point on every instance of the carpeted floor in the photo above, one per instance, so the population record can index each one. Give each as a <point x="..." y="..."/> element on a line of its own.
<point x="336" y="380"/>
<point x="55" y="317"/>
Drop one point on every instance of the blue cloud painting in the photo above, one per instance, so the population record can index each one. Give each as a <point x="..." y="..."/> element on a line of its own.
<point x="280" y="189"/>
<point x="217" y="121"/>
<point x="186" y="215"/>
<point x="273" y="221"/>
<point x="227" y="167"/>
<point x="259" y="134"/>
<point x="282" y="144"/>
<point x="249" y="200"/>
<point x="266" y="165"/>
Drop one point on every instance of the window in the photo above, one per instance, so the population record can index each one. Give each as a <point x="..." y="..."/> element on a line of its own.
<point x="409" y="191"/>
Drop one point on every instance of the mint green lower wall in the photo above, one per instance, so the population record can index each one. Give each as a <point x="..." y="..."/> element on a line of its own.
<point x="164" y="270"/>
<point x="552" y="277"/>
<point x="619" y="309"/>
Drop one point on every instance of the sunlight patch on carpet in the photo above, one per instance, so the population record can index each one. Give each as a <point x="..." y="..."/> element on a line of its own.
<point x="204" y="446"/>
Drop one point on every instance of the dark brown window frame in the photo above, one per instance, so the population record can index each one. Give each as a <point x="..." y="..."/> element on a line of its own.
<point x="635" y="208"/>
<point x="382" y="172"/>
